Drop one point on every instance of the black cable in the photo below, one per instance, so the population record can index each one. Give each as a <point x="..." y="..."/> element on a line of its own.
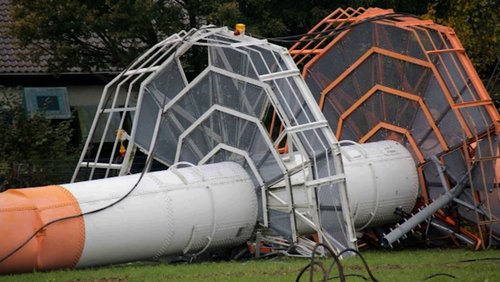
<point x="479" y="259"/>
<point x="460" y="261"/>
<point x="350" y="275"/>
<point x="67" y="218"/>
<point x="362" y="259"/>
<point x="311" y="265"/>
<point x="336" y="261"/>
<point x="331" y="33"/>
<point x="439" y="274"/>
<point x="148" y="162"/>
<point x="145" y="169"/>
<point x="326" y="273"/>
<point x="291" y="37"/>
<point x="342" y="276"/>
<point x="313" y="262"/>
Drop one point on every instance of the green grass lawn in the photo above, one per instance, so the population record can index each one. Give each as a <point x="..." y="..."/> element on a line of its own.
<point x="385" y="265"/>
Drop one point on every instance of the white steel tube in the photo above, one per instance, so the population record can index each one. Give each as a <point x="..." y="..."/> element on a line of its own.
<point x="169" y="213"/>
<point x="381" y="177"/>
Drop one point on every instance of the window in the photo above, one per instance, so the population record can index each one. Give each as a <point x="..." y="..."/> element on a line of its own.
<point x="52" y="101"/>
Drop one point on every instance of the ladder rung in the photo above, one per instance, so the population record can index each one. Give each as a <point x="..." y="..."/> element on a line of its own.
<point x="281" y="74"/>
<point x="445" y="50"/>
<point x="141" y="70"/>
<point x="280" y="208"/>
<point x="129" y="109"/>
<point x="100" y="165"/>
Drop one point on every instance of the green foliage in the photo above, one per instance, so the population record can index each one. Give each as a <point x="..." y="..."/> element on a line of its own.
<point x="33" y="150"/>
<point x="477" y="26"/>
<point x="413" y="265"/>
<point x="105" y="35"/>
<point x="270" y="18"/>
<point x="92" y="35"/>
<point x="109" y="34"/>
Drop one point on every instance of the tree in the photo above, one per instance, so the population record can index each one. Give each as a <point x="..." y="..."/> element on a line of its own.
<point x="270" y="18"/>
<point x="477" y="26"/>
<point x="92" y="35"/>
<point x="32" y="149"/>
<point x="109" y="34"/>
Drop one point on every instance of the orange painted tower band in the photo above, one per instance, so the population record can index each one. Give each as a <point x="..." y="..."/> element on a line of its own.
<point x="59" y="245"/>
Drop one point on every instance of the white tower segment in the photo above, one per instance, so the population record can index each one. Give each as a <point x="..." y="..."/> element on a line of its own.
<point x="203" y="97"/>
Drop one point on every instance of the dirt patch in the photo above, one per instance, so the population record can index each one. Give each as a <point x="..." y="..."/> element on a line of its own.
<point x="101" y="279"/>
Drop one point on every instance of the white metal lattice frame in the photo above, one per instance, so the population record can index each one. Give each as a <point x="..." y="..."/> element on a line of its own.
<point x="291" y="103"/>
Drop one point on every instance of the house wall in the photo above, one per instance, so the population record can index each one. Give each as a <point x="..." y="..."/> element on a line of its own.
<point x="84" y="95"/>
<point x="83" y="102"/>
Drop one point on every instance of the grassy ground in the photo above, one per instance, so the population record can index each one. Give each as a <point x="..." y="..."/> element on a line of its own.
<point x="385" y="265"/>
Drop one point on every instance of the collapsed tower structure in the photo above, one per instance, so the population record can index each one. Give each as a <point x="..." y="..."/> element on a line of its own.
<point x="205" y="104"/>
<point x="237" y="187"/>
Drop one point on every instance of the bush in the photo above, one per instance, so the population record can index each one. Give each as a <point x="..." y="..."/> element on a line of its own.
<point x="33" y="149"/>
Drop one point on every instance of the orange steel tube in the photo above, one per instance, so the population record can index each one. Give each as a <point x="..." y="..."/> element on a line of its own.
<point x="474" y="77"/>
<point x="59" y="245"/>
<point x="423" y="187"/>
<point x="398" y="129"/>
<point x="443" y="86"/>
<point x="360" y="60"/>
<point x="330" y="45"/>
<point x="450" y="221"/>
<point x="392" y="91"/>
<point x="413" y="22"/>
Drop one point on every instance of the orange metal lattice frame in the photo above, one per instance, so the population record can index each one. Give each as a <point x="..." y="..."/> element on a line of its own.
<point x="308" y="51"/>
<point x="362" y="64"/>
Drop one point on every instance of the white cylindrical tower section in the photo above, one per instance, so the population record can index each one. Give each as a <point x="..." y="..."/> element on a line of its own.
<point x="173" y="212"/>
<point x="380" y="176"/>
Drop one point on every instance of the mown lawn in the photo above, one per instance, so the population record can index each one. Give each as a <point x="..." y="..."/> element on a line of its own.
<point x="414" y="265"/>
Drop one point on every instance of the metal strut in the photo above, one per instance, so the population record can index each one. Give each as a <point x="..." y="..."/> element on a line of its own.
<point x="428" y="211"/>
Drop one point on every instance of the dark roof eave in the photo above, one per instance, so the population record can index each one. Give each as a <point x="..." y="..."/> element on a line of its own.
<point x="62" y="79"/>
<point x="59" y="74"/>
